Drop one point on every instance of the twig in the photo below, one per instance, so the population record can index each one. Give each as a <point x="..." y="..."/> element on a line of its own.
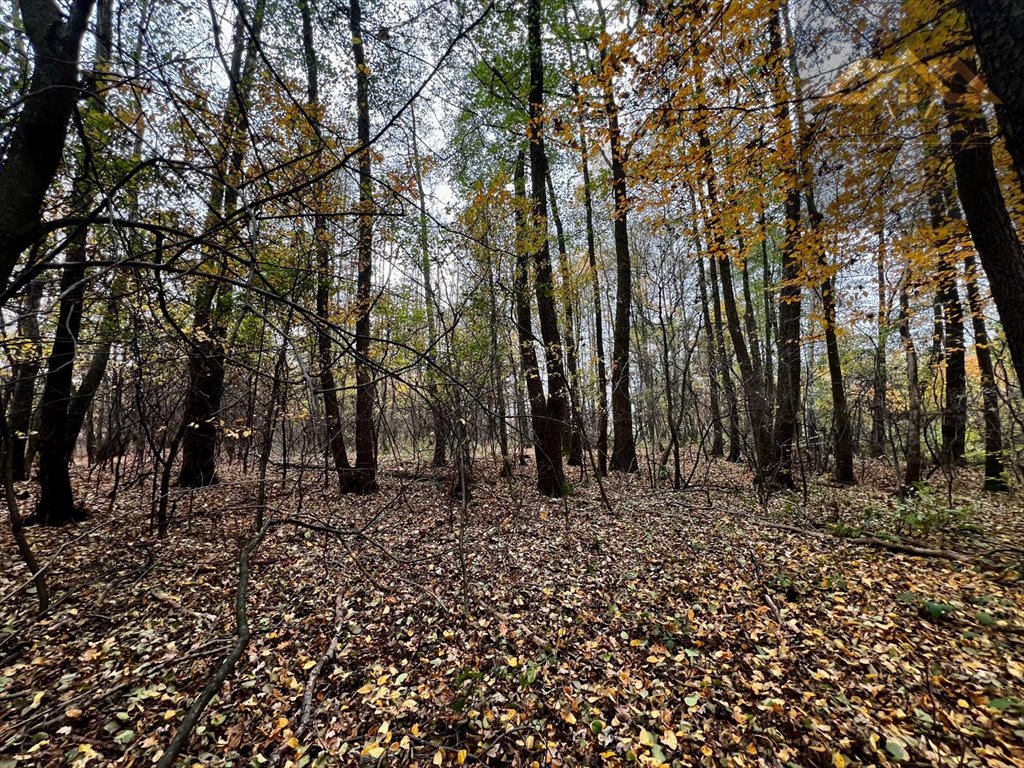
<point x="213" y="685"/>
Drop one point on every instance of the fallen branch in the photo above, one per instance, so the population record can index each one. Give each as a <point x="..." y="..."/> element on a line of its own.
<point x="213" y="685"/>
<point x="871" y="541"/>
<point x="307" y="697"/>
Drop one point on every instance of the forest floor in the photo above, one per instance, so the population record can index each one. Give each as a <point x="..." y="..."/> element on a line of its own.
<point x="679" y="628"/>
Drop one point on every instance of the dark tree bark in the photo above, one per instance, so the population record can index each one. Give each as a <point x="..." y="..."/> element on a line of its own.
<point x="547" y="440"/>
<point x="954" y="411"/>
<point x="549" y="429"/>
<point x="992" y="230"/>
<point x="214" y="299"/>
<point x="595" y="285"/>
<point x="998" y="30"/>
<point x="334" y="434"/>
<point x="40" y="128"/>
<point x="995" y="477"/>
<point x="56" y="505"/>
<point x="26" y="369"/>
<point x="725" y="366"/>
<point x="433" y="391"/>
<point x="876" y="442"/>
<point x="787" y="390"/>
<point x="912" y="472"/>
<point x="363" y="477"/>
<point x="623" y="442"/>
<point x="768" y="291"/>
<point x="81" y="399"/>
<point x="717" y="441"/>
<point x="574" y="446"/>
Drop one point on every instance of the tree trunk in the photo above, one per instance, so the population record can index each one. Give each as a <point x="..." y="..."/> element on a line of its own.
<point x="363" y="478"/>
<point x="595" y="285"/>
<point x="213" y="303"/>
<point x="787" y="390"/>
<point x="36" y="147"/>
<point x="550" y="475"/>
<point x="717" y="441"/>
<point x="995" y="478"/>
<point x="992" y="230"/>
<point x="876" y="443"/>
<point x="998" y="30"/>
<point x="334" y="433"/>
<point x="954" y="411"/>
<point x="547" y="449"/>
<point x="56" y="504"/>
<point x="436" y="408"/>
<point x="623" y="442"/>
<point x="83" y="395"/>
<point x="26" y="369"/>
<point x="574" y="446"/>
<point x="912" y="472"/>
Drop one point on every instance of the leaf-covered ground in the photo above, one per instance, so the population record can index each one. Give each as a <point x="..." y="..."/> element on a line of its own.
<point x="676" y="629"/>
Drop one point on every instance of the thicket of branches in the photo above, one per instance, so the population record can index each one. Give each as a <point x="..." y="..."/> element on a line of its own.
<point x="367" y="236"/>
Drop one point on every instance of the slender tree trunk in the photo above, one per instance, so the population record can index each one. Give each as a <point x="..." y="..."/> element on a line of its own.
<point x="497" y="368"/>
<point x="595" y="286"/>
<point x="363" y="479"/>
<point x="787" y="390"/>
<point x="437" y="411"/>
<point x="842" y="431"/>
<point x="550" y="474"/>
<point x="768" y="289"/>
<point x="574" y="456"/>
<point x="334" y="433"/>
<point x="750" y="317"/>
<point x="547" y="449"/>
<point x="954" y="411"/>
<point x="912" y="473"/>
<point x="623" y="443"/>
<point x="876" y="442"/>
<point x="56" y="505"/>
<point x="595" y="283"/>
<point x="717" y="441"/>
<point x="206" y="364"/>
<point x="725" y="364"/>
<point x="26" y="369"/>
<point x="673" y="428"/>
<point x="83" y="395"/>
<point x="995" y="477"/>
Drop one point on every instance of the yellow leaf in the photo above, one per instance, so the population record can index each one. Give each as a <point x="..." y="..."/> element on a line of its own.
<point x="438" y="757"/>
<point x="668" y="738"/>
<point x="838" y="760"/>
<point x="512" y="661"/>
<point x="460" y="758"/>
